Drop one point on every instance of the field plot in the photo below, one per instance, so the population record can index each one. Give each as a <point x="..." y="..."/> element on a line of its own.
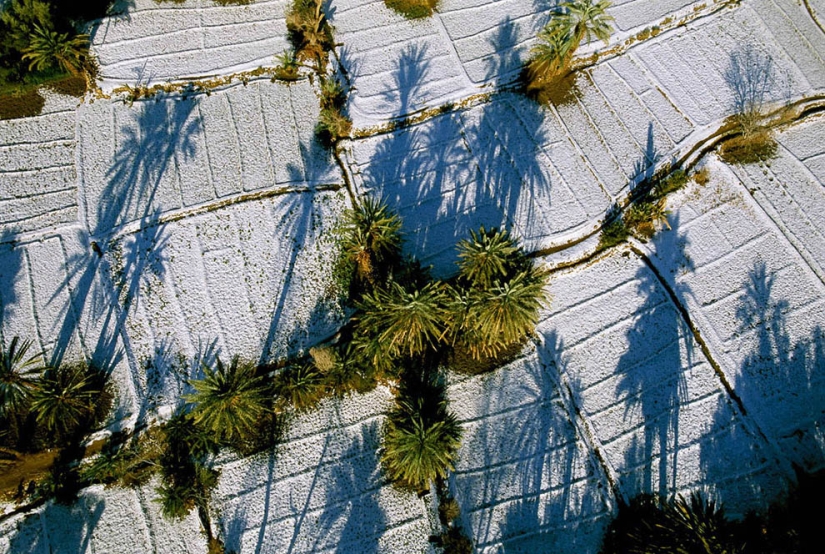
<point x="152" y="43"/>
<point x="398" y="66"/>
<point x="760" y="307"/>
<point x="140" y="161"/>
<point x="102" y="521"/>
<point x="37" y="169"/>
<point x="657" y="410"/>
<point x="526" y="480"/>
<point x="322" y="489"/>
<point x="791" y="188"/>
<point x="249" y="279"/>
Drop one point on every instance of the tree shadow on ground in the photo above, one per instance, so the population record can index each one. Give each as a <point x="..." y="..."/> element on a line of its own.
<point x="352" y="519"/>
<point x="69" y="528"/>
<point x="525" y="493"/>
<point x="781" y="382"/>
<point x="299" y="221"/>
<point x="11" y="263"/>
<point x="145" y="158"/>
<point x="652" y="375"/>
<point x="460" y="169"/>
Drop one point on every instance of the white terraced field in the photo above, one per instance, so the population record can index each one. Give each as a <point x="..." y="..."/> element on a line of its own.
<point x="151" y="42"/>
<point x="215" y="218"/>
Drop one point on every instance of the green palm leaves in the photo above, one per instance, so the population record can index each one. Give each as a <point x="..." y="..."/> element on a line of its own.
<point x="571" y="22"/>
<point x="371" y="239"/>
<point x="422" y="438"/>
<point x="406" y="323"/>
<point x="49" y="48"/>
<point x="65" y="398"/>
<point x="16" y="384"/>
<point x="502" y="293"/>
<point x="228" y="400"/>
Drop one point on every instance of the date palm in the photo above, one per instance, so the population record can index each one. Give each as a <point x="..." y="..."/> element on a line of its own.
<point x="406" y="323"/>
<point x="571" y="23"/>
<point x="488" y="256"/>
<point x="48" y="48"/>
<point x="228" y="400"/>
<point x="422" y="438"/>
<point x="65" y="398"/>
<point x="503" y="314"/>
<point x="16" y="371"/>
<point x="371" y="238"/>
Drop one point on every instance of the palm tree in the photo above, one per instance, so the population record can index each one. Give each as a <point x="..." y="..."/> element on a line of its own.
<point x="65" y="398"/>
<point x="301" y="386"/>
<point x="571" y="22"/>
<point x="487" y="257"/>
<point x="503" y="314"/>
<point x="422" y="437"/>
<point x="229" y="400"/>
<point x="371" y="238"/>
<point x="48" y="47"/>
<point x="406" y="323"/>
<point x="16" y="384"/>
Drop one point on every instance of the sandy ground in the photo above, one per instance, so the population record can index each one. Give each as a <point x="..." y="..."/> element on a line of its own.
<point x="215" y="216"/>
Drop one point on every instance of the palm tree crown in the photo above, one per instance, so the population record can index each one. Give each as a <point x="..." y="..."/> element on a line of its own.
<point x="65" y="398"/>
<point x="16" y="385"/>
<point x="229" y="400"/>
<point x="371" y="237"/>
<point x="48" y="47"/>
<point x="406" y="323"/>
<point x="581" y="19"/>
<point x="422" y="438"/>
<point x="505" y="313"/>
<point x="488" y="256"/>
<point x="571" y="22"/>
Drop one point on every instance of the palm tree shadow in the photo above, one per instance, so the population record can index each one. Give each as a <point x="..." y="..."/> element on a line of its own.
<point x="145" y="156"/>
<point x="525" y="491"/>
<point x="75" y="525"/>
<point x="352" y="519"/>
<point x="295" y="226"/>
<point x="11" y="263"/>
<point x="652" y="373"/>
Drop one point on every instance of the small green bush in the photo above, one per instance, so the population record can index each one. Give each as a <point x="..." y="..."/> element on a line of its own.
<point x="673" y="182"/>
<point x="412" y="9"/>
<point x="301" y="386"/>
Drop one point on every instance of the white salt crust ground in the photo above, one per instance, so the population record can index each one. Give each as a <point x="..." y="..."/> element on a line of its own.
<point x="550" y="173"/>
<point x="399" y="66"/>
<point x="166" y="294"/>
<point x="38" y="179"/>
<point x="150" y="42"/>
<point x="758" y="303"/>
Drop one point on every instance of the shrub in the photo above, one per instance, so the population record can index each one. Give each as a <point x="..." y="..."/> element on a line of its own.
<point x="749" y="147"/>
<point x="615" y="231"/>
<point x="308" y="30"/>
<point x="448" y="510"/>
<point x="332" y="126"/>
<point x="287" y="68"/>
<point x="646" y="215"/>
<point x="702" y="176"/>
<point x="673" y="182"/>
<point x="412" y="9"/>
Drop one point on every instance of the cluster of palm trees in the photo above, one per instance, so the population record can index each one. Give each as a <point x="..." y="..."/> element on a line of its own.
<point x="43" y="406"/>
<point x="570" y="23"/>
<point x="409" y="326"/>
